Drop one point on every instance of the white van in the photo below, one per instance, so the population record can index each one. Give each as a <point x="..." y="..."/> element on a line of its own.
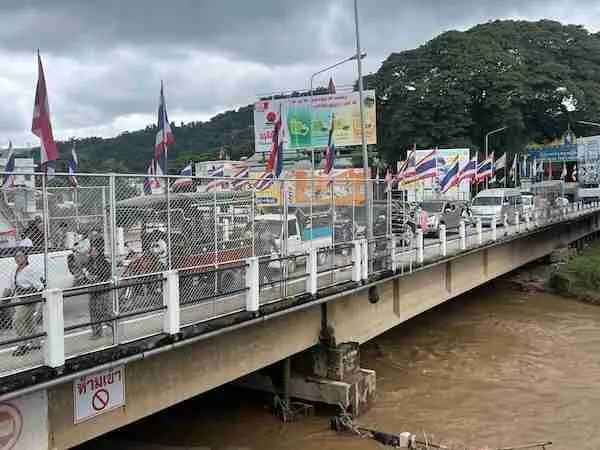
<point x="496" y="204"/>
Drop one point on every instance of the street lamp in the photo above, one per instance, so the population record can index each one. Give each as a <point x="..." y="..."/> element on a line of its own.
<point x="487" y="135"/>
<point x="363" y="133"/>
<point x="312" y="150"/>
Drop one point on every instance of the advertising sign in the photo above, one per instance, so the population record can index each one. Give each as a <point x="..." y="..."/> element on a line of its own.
<point x="564" y="152"/>
<point x="307" y="120"/>
<point x="98" y="393"/>
<point x="348" y="188"/>
<point x="444" y="158"/>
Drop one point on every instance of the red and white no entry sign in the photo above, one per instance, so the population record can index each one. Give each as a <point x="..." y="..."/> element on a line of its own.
<point x="11" y="425"/>
<point x="98" y="393"/>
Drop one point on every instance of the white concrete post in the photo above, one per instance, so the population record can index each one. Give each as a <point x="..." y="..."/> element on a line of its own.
<point x="463" y="235"/>
<point x="527" y="221"/>
<point x="364" y="265"/>
<point x="54" y="327"/>
<point x="252" y="284"/>
<point x="517" y="222"/>
<point x="420" y="256"/>
<point x="312" y="281"/>
<point x="505" y="221"/>
<point x="171" y="322"/>
<point x="443" y="244"/>
<point x="394" y="256"/>
<point x="356" y="261"/>
<point x="493" y="225"/>
<point x="479" y="229"/>
<point x="120" y="241"/>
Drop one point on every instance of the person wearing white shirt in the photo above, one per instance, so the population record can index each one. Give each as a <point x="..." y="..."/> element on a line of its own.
<point x="26" y="280"/>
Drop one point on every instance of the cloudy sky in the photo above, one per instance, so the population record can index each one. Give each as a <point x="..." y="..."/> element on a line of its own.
<point x="104" y="59"/>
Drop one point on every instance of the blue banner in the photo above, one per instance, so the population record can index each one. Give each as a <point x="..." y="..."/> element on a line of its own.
<point x="565" y="152"/>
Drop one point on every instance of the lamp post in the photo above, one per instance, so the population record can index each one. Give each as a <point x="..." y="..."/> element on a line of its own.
<point x="312" y="149"/>
<point x="362" y="125"/>
<point x="486" y="145"/>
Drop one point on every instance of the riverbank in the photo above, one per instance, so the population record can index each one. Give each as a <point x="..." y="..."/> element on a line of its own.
<point x="579" y="277"/>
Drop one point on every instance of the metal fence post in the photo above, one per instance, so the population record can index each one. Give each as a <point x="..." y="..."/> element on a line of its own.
<point x="171" y="322"/>
<point x="463" y="235"/>
<point x="112" y="206"/>
<point x="53" y="318"/>
<point x="312" y="281"/>
<point x="494" y="234"/>
<point x="46" y="225"/>
<point x="252" y="284"/>
<point x="168" y="198"/>
<point x="443" y="246"/>
<point x="420" y="256"/>
<point x="479" y="229"/>
<point x="356" y="260"/>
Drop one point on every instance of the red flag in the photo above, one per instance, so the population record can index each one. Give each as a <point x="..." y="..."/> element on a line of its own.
<point x="41" y="126"/>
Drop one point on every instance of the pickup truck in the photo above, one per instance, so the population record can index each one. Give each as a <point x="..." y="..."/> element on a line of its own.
<point x="299" y="239"/>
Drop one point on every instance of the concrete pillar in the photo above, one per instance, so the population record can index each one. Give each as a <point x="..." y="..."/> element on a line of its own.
<point x="393" y="255"/>
<point x="420" y="246"/>
<point x="54" y="327"/>
<point x="443" y="243"/>
<point x="356" y="261"/>
<point x="462" y="232"/>
<point x="252" y="284"/>
<point x="517" y="222"/>
<point x="479" y="229"/>
<point x="364" y="265"/>
<point x="527" y="221"/>
<point x="505" y="221"/>
<point x="493" y="226"/>
<point x="312" y="280"/>
<point x="171" y="322"/>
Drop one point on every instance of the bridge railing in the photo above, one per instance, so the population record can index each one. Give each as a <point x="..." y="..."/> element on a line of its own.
<point x="119" y="265"/>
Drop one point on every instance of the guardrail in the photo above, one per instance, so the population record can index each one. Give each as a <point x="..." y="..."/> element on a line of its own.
<point x="111" y="301"/>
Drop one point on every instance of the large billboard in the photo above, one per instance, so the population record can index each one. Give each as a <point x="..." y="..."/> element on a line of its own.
<point x="307" y="120"/>
<point x="348" y="188"/>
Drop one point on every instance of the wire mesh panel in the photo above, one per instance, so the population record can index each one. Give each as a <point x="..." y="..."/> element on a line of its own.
<point x="21" y="332"/>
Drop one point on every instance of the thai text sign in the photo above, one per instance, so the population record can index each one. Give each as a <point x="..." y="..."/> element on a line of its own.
<point x="307" y="120"/>
<point x="346" y="188"/>
<point x="98" y="393"/>
<point x="565" y="152"/>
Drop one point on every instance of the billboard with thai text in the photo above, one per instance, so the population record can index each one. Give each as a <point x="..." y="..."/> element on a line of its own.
<point x="307" y="120"/>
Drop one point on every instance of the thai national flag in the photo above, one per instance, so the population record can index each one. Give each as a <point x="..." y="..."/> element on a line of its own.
<point x="275" y="162"/>
<point x="409" y="172"/>
<point x="330" y="154"/>
<point x="72" y="168"/>
<point x="151" y="181"/>
<point x="216" y="175"/>
<point x="427" y="166"/>
<point x="187" y="170"/>
<point x="484" y="169"/>
<point x="9" y="175"/>
<point x="450" y="178"/>
<point x="240" y="179"/>
<point x="41" y="126"/>
<point x="265" y="181"/>
<point x="468" y="171"/>
<point x="164" y="135"/>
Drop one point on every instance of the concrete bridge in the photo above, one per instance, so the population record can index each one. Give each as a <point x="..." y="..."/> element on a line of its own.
<point x="76" y="388"/>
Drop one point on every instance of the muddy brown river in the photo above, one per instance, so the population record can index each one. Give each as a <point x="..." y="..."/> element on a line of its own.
<point x="496" y="367"/>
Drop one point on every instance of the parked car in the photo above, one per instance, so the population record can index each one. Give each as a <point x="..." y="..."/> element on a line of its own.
<point x="446" y="212"/>
<point x="494" y="205"/>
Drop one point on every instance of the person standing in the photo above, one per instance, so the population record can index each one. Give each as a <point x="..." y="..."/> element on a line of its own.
<point x="26" y="281"/>
<point x="98" y="270"/>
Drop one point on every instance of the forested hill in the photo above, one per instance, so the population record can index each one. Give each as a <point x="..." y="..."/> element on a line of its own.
<point x="534" y="77"/>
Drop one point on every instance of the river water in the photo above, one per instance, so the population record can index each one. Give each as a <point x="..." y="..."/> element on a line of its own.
<point x="495" y="367"/>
